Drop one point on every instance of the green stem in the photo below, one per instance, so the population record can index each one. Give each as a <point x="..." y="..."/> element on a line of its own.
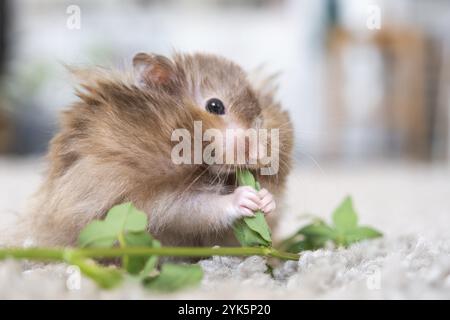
<point x="59" y="254"/>
<point x="122" y="244"/>
<point x="39" y="254"/>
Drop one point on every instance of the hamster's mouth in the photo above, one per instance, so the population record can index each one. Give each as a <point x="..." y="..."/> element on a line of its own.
<point x="225" y="169"/>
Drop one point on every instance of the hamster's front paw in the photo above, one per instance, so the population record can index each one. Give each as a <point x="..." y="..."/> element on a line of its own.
<point x="267" y="201"/>
<point x="245" y="200"/>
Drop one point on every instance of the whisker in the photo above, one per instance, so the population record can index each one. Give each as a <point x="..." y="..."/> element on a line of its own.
<point x="314" y="161"/>
<point x="195" y="180"/>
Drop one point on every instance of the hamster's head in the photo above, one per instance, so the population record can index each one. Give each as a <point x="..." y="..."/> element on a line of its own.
<point x="218" y="94"/>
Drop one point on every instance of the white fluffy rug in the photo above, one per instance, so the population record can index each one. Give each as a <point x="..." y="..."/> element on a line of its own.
<point x="411" y="205"/>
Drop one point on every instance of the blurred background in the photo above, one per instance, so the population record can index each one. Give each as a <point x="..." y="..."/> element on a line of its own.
<point x="366" y="82"/>
<point x="357" y="89"/>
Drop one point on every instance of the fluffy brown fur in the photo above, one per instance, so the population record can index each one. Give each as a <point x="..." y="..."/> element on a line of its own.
<point x="114" y="146"/>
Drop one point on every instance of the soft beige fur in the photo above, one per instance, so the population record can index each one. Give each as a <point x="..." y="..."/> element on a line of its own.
<point x="114" y="146"/>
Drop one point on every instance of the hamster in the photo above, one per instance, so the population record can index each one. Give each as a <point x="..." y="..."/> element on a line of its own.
<point x="114" y="145"/>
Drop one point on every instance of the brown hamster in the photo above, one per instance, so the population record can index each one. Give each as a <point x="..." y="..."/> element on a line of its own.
<point x="115" y="145"/>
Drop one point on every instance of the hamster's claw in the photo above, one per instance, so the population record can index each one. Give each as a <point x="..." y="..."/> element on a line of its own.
<point x="267" y="201"/>
<point x="246" y="201"/>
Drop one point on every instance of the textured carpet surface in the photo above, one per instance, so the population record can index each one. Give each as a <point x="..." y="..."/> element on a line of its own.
<point x="411" y="205"/>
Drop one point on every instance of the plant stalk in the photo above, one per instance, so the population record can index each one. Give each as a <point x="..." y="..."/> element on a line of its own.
<point x="59" y="254"/>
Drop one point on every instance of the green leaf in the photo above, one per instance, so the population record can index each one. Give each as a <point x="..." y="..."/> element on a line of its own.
<point x="361" y="233"/>
<point x="345" y="217"/>
<point x="151" y="263"/>
<point x="258" y="224"/>
<point x="105" y="277"/>
<point x="345" y="231"/>
<point x="97" y="233"/>
<point x="127" y="225"/>
<point x="125" y="217"/>
<point x="136" y="264"/>
<point x="307" y="244"/>
<point x="174" y="277"/>
<point x="318" y="230"/>
<point x="248" y="237"/>
<point x="310" y="237"/>
<point x="120" y="220"/>
<point x="245" y="178"/>
<point x="251" y="231"/>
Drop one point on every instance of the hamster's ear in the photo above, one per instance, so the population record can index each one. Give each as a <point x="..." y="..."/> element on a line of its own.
<point x="153" y="70"/>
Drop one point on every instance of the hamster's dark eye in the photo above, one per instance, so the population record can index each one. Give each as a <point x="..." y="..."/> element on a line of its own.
<point x="215" y="106"/>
